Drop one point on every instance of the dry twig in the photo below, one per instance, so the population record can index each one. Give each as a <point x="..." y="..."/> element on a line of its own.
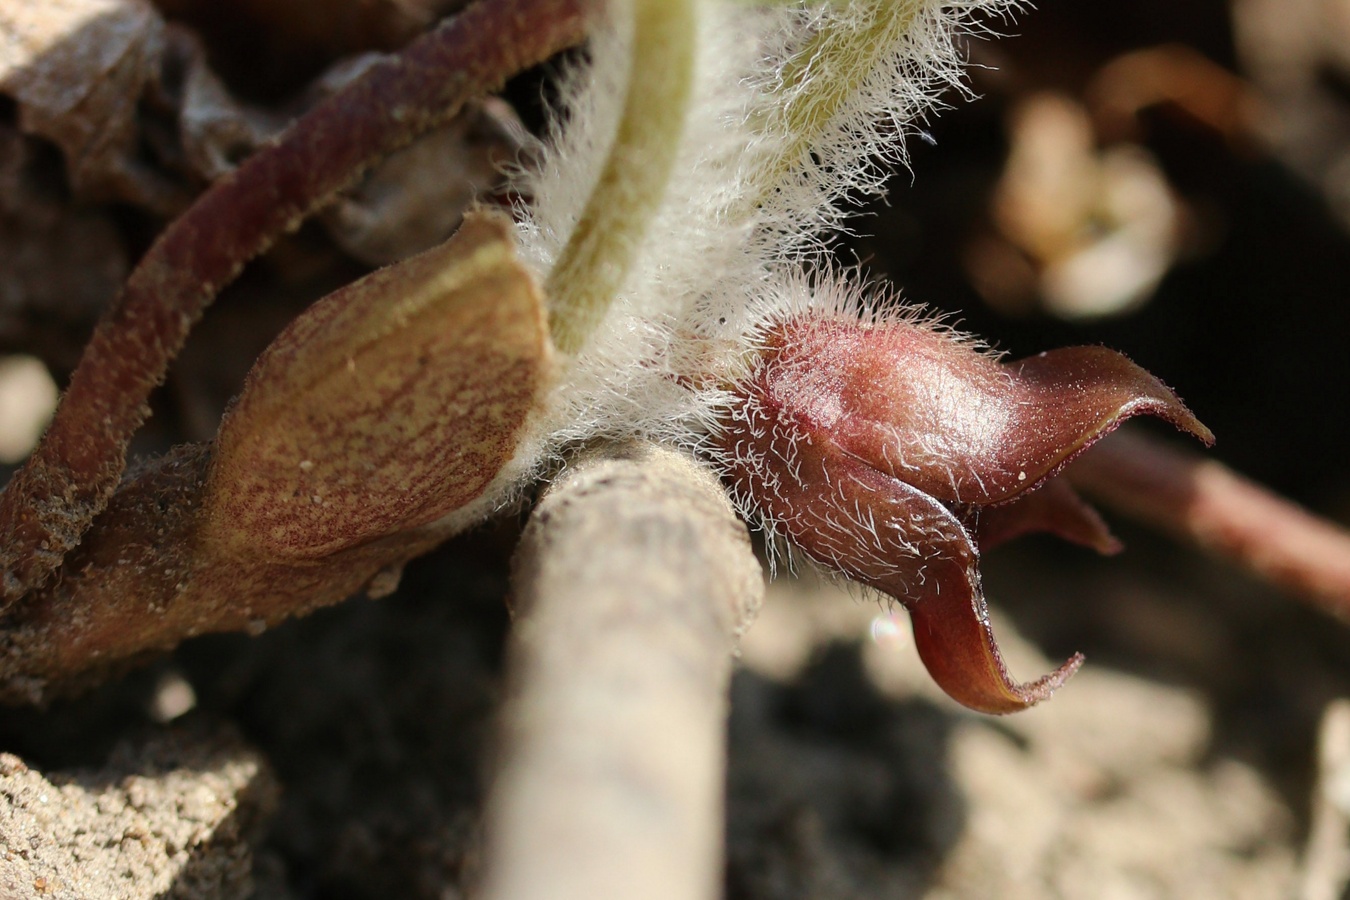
<point x="1206" y="502"/>
<point x="1326" y="858"/>
<point x="611" y="775"/>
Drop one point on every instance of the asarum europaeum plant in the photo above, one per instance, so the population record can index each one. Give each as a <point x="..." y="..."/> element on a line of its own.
<point x="894" y="452"/>
<point x="877" y="443"/>
<point x="678" y="220"/>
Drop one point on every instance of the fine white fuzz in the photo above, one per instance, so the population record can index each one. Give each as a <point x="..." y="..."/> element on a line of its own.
<point x="583" y="121"/>
<point x="771" y="154"/>
<point x="628" y="378"/>
<point x="821" y="298"/>
<point x="843" y="140"/>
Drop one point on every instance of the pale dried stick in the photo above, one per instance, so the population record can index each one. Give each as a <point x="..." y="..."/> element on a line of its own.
<point x="633" y="582"/>
<point x="1206" y="502"/>
<point x="1326" y="857"/>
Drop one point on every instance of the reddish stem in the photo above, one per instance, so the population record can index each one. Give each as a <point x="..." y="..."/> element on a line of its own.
<point x="1208" y="503"/>
<point x="67" y="481"/>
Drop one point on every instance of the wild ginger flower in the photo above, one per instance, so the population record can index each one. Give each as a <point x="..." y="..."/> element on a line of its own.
<point x="671" y="220"/>
<point x="891" y="451"/>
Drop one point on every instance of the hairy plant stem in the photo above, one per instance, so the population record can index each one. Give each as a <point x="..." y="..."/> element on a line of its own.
<point x="592" y="267"/>
<point x="823" y="77"/>
<point x="50" y="502"/>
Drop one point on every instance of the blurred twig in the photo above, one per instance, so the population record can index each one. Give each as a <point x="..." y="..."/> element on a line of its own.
<point x="1206" y="502"/>
<point x="1326" y="860"/>
<point x="610" y="780"/>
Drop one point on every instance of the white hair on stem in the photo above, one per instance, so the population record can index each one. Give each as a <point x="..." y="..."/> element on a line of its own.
<point x="625" y="379"/>
<point x="852" y="80"/>
<point x="795" y="111"/>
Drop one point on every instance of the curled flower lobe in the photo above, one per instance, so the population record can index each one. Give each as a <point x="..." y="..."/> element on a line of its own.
<point x="892" y="451"/>
<point x="929" y="409"/>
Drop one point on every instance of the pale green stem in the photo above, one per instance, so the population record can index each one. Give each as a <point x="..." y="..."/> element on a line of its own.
<point x="593" y="266"/>
<point x="826" y="74"/>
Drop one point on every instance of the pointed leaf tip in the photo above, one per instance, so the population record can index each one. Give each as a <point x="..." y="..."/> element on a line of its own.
<point x="954" y="422"/>
<point x="1054" y="508"/>
<point x="956" y="643"/>
<point x="1085" y="393"/>
<point x="951" y="625"/>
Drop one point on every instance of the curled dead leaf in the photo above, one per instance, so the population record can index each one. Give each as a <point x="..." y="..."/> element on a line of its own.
<point x="77" y="70"/>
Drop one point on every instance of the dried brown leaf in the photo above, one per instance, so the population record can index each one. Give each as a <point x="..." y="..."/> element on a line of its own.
<point x="60" y="263"/>
<point x="416" y="197"/>
<point x="77" y="70"/>
<point x="271" y="46"/>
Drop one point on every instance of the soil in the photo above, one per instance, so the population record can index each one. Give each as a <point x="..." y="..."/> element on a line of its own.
<point x="1179" y="763"/>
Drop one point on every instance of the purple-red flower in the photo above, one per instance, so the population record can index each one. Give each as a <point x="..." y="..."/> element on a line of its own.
<point x="894" y="452"/>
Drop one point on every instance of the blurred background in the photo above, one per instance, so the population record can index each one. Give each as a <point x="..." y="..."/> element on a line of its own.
<point x="1170" y="180"/>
